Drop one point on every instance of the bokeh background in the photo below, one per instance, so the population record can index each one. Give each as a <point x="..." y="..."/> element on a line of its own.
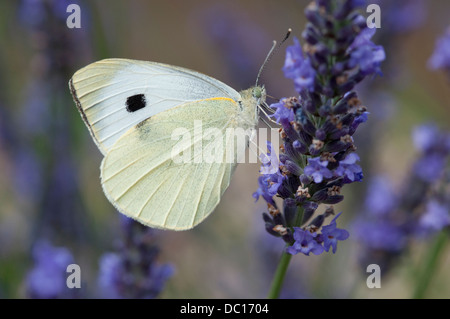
<point x="50" y="189"/>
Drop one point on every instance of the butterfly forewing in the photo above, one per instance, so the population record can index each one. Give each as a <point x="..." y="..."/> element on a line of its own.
<point x="114" y="95"/>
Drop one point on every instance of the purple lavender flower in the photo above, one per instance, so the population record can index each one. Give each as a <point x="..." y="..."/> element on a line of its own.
<point x="48" y="277"/>
<point x="317" y="170"/>
<point x="271" y="179"/>
<point x="305" y="243"/>
<point x="317" y="155"/>
<point x="441" y="55"/>
<point x="298" y="67"/>
<point x="357" y="121"/>
<point x="133" y="272"/>
<point x="268" y="187"/>
<point x="282" y="113"/>
<point x="269" y="161"/>
<point x="349" y="169"/>
<point x="331" y="234"/>
<point x="364" y="54"/>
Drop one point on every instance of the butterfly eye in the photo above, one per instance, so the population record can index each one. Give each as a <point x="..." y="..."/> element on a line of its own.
<point x="257" y="93"/>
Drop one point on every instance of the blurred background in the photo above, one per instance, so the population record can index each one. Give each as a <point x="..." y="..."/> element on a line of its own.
<point x="52" y="208"/>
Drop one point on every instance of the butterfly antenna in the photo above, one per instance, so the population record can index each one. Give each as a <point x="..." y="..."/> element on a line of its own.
<point x="271" y="53"/>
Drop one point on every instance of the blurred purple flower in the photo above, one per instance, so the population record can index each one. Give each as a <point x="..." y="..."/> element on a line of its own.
<point x="48" y="277"/>
<point x="435" y="218"/>
<point x="425" y="137"/>
<point x="381" y="199"/>
<point x="429" y="168"/>
<point x="237" y="38"/>
<point x="111" y="273"/>
<point x="435" y="148"/>
<point x="380" y="234"/>
<point x="441" y="55"/>
<point x="133" y="271"/>
<point x="28" y="179"/>
<point x="402" y="16"/>
<point x="32" y="12"/>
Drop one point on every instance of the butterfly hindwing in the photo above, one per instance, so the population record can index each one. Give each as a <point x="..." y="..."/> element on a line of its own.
<point x="141" y="178"/>
<point x="113" y="95"/>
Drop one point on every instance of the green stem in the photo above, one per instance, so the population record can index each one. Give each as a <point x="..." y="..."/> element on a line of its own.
<point x="278" y="278"/>
<point x="430" y="265"/>
<point x="280" y="272"/>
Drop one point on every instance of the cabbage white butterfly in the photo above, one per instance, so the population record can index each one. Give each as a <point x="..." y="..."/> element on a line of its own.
<point x="131" y="109"/>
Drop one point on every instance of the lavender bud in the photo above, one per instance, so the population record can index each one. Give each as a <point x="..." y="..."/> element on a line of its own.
<point x="309" y="209"/>
<point x="321" y="135"/>
<point x="324" y="110"/>
<point x="310" y="34"/>
<point x="305" y="137"/>
<point x="347" y="119"/>
<point x="341" y="107"/>
<point x="318" y="221"/>
<point x="305" y="180"/>
<point x="293" y="168"/>
<point x="312" y="14"/>
<point x="320" y="195"/>
<point x="269" y="228"/>
<point x="334" y="199"/>
<point x="309" y="107"/>
<point x="335" y="146"/>
<point x="299" y="147"/>
<point x="347" y="86"/>
<point x="338" y="68"/>
<point x="267" y="218"/>
<point x="290" y="210"/>
<point x="284" y="190"/>
<point x="338" y="133"/>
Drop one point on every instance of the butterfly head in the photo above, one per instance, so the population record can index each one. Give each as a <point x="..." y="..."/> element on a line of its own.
<point x="259" y="94"/>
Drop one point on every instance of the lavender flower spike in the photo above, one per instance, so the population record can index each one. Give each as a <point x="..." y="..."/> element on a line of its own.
<point x="317" y="156"/>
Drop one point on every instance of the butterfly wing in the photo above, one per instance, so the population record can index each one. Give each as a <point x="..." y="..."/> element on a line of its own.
<point x="142" y="179"/>
<point x="114" y="95"/>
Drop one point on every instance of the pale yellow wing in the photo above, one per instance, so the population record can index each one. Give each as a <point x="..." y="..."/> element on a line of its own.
<point x="142" y="180"/>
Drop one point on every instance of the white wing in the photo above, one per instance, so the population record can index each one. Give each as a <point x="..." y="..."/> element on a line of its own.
<point x="114" y="95"/>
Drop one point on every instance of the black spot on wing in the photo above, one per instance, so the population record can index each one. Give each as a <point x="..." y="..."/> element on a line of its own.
<point x="135" y="102"/>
